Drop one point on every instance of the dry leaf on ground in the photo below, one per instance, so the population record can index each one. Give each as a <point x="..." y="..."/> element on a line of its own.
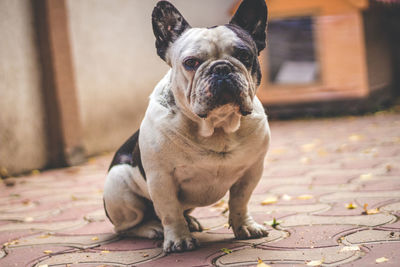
<point x="381" y="260"/>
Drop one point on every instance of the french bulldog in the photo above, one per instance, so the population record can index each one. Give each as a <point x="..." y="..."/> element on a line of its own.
<point x="204" y="133"/>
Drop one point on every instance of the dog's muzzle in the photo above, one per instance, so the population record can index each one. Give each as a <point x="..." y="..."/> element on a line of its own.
<point x="223" y="86"/>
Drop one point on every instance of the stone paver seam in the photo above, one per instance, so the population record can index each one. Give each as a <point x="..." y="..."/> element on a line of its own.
<point x="212" y="258"/>
<point x="35" y="261"/>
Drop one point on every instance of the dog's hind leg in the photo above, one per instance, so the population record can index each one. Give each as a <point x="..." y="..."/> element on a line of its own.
<point x="130" y="213"/>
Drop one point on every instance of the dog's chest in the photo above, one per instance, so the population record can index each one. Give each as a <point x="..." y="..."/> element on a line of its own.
<point x="207" y="180"/>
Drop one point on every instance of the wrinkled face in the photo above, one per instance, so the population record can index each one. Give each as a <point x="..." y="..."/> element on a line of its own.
<point x="215" y="67"/>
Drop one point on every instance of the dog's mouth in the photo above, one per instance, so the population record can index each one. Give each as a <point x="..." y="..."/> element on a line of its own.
<point x="221" y="91"/>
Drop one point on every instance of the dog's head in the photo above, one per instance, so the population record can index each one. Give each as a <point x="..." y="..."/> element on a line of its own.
<point x="213" y="67"/>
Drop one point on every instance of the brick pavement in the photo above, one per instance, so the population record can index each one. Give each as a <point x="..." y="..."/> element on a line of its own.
<point x="331" y="190"/>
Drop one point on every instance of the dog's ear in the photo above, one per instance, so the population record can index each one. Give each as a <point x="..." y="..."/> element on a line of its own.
<point x="168" y="25"/>
<point x="252" y="16"/>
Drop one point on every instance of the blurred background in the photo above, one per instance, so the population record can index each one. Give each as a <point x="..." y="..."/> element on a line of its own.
<point x="75" y="76"/>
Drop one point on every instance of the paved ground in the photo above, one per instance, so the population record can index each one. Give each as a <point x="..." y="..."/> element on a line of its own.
<point x="331" y="191"/>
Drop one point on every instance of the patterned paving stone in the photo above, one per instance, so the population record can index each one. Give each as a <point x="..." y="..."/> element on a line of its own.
<point x="90" y="228"/>
<point x="308" y="208"/>
<point x="212" y="237"/>
<point x="362" y="220"/>
<point x="18" y="207"/>
<point x="318" y="189"/>
<point x="340" y="196"/>
<point x="130" y="244"/>
<point x="28" y="256"/>
<point x="327" y="256"/>
<point x="371" y="236"/>
<point x="203" y="256"/>
<point x="314" y="169"/>
<point x="120" y="258"/>
<point x="76" y="241"/>
<point x="378" y="251"/>
<point x="312" y="237"/>
<point x="29" y="216"/>
<point x="47" y="227"/>
<point x="394" y="207"/>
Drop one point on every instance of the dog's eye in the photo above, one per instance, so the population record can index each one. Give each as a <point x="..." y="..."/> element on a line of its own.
<point x="191" y="63"/>
<point x="244" y="57"/>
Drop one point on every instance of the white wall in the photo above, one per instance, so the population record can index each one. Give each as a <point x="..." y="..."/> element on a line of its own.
<point x="22" y="134"/>
<point x="116" y="65"/>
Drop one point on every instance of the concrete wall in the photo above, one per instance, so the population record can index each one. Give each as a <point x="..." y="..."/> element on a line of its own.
<point x="116" y="65"/>
<point x="22" y="131"/>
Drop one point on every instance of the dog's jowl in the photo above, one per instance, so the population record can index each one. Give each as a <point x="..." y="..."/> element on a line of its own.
<point x="204" y="133"/>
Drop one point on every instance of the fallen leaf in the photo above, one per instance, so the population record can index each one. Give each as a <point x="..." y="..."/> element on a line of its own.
<point x="105" y="251"/>
<point x="389" y="168"/>
<point x="366" y="177"/>
<point x="44" y="236"/>
<point x="350" y="248"/>
<point x="260" y="263"/>
<point x="308" y="147"/>
<point x="315" y="263"/>
<point x="278" y="151"/>
<point x="305" y="197"/>
<point x="305" y="160"/>
<point x="3" y="172"/>
<point x="92" y="160"/>
<point x="369" y="211"/>
<point x="356" y="137"/>
<point x="35" y="172"/>
<point x="382" y="259"/>
<point x="351" y="206"/>
<point x="322" y="152"/>
<point x="220" y="203"/>
<point x="145" y="255"/>
<point x="95" y="238"/>
<point x="269" y="200"/>
<point x="74" y="198"/>
<point x="28" y="219"/>
<point x="373" y="211"/>
<point x="226" y="225"/>
<point x="14" y="242"/>
<point x="47" y="252"/>
<point x="26" y="202"/>
<point x="342" y="148"/>
<point x="226" y="250"/>
<point x="365" y="207"/>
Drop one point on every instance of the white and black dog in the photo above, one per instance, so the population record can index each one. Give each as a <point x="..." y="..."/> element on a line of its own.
<point x="205" y="132"/>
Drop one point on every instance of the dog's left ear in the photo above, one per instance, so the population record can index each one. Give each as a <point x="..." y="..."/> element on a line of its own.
<point x="252" y="16"/>
<point x="168" y="25"/>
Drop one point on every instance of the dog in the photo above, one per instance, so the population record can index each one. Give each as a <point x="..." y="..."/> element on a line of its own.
<point x="204" y="133"/>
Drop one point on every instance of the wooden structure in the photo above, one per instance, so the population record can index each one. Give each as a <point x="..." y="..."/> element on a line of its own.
<point x="64" y="129"/>
<point x="350" y="56"/>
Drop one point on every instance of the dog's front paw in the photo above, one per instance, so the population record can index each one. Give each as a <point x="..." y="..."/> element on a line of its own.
<point x="180" y="244"/>
<point x="250" y="229"/>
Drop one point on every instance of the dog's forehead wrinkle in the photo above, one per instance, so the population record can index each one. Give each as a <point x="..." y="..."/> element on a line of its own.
<point x="210" y="41"/>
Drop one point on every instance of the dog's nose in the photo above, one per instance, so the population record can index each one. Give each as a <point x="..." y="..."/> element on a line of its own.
<point x="221" y="69"/>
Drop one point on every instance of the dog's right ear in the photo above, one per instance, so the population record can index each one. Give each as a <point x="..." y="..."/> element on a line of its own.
<point x="168" y="25"/>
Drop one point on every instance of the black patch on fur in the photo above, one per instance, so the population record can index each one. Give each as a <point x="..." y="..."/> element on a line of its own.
<point x="252" y="17"/>
<point x="249" y="43"/>
<point x="168" y="25"/>
<point x="129" y="153"/>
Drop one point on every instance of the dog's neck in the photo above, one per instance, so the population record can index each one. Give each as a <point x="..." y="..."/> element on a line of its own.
<point x="226" y="117"/>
